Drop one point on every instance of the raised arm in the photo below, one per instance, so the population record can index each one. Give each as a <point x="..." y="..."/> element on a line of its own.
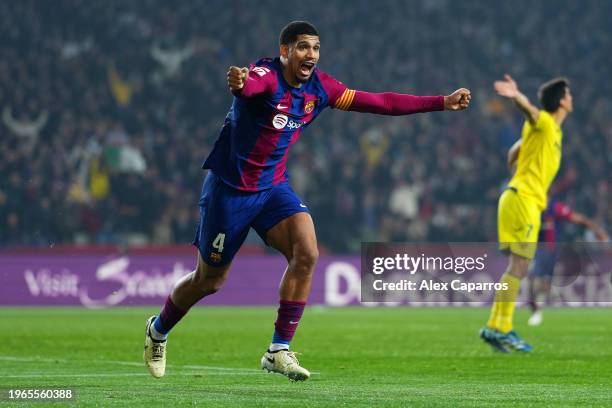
<point x="249" y="83"/>
<point x="508" y="88"/>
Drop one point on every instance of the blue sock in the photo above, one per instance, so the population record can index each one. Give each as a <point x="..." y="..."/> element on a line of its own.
<point x="158" y="326"/>
<point x="277" y="339"/>
<point x="278" y="343"/>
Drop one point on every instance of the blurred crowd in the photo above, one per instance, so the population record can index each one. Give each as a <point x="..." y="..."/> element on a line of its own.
<point x="108" y="109"/>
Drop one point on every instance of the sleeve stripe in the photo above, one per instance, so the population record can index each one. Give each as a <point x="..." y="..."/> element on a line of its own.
<point x="345" y="100"/>
<point x="341" y="99"/>
<point x="346" y="103"/>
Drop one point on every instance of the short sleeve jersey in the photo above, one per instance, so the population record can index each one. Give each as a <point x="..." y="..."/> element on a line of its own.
<point x="539" y="159"/>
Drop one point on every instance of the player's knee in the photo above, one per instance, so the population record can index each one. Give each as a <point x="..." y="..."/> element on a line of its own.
<point x="208" y="282"/>
<point x="306" y="259"/>
<point x="519" y="266"/>
<point x="210" y="286"/>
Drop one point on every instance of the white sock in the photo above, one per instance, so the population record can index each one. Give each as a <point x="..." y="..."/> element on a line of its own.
<point x="155" y="334"/>
<point x="278" y="346"/>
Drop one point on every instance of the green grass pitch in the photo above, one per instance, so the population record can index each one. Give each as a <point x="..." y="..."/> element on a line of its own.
<point x="360" y="357"/>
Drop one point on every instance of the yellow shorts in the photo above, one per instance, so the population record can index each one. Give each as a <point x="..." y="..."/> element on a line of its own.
<point x="518" y="224"/>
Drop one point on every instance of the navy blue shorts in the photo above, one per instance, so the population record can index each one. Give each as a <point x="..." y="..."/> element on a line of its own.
<point x="545" y="261"/>
<point x="227" y="214"/>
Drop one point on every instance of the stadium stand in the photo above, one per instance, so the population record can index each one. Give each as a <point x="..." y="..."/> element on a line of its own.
<point x="109" y="108"/>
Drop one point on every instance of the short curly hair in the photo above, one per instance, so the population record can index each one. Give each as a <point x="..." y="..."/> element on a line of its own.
<point x="291" y="31"/>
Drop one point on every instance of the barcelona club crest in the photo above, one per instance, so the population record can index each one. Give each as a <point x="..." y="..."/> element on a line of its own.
<point x="309" y="106"/>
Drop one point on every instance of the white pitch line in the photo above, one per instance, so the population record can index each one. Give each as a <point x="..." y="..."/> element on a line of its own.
<point x="188" y="367"/>
<point x="217" y="370"/>
<point x="201" y="367"/>
<point x="195" y="367"/>
<point x="102" y="375"/>
<point x="33" y="359"/>
<point x="74" y="375"/>
<point x="124" y="363"/>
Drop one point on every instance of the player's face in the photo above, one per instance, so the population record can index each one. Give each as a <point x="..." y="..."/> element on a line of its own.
<point x="567" y="102"/>
<point x="301" y="57"/>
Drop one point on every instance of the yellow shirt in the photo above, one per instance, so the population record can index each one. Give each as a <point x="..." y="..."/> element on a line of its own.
<point x="539" y="158"/>
<point x="99" y="181"/>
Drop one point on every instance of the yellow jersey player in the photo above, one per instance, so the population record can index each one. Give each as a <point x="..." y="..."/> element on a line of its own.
<point x="521" y="204"/>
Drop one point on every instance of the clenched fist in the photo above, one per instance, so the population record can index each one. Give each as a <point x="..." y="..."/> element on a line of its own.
<point x="458" y="100"/>
<point x="237" y="77"/>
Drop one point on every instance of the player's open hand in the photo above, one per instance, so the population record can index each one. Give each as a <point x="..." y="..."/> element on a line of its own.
<point x="458" y="100"/>
<point x="506" y="87"/>
<point x="237" y="77"/>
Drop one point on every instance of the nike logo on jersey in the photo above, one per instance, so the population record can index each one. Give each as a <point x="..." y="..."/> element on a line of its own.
<point x="292" y="322"/>
<point x="303" y="206"/>
<point x="281" y="106"/>
<point x="271" y="360"/>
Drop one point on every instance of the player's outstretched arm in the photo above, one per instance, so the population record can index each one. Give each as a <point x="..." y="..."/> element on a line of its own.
<point x="508" y="88"/>
<point x="582" y="219"/>
<point x="390" y="103"/>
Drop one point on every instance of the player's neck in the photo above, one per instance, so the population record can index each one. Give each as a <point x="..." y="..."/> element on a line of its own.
<point x="290" y="78"/>
<point x="559" y="116"/>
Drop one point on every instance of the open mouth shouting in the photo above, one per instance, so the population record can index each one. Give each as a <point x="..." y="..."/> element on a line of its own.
<point x="305" y="69"/>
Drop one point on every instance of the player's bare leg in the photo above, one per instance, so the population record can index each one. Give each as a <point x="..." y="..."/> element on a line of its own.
<point x="204" y="281"/>
<point x="295" y="238"/>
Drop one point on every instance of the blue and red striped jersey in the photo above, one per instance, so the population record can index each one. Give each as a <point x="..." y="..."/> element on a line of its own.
<point x="556" y="212"/>
<point x="266" y="118"/>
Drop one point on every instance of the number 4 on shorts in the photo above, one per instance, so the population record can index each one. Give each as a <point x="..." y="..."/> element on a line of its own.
<point x="218" y="242"/>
